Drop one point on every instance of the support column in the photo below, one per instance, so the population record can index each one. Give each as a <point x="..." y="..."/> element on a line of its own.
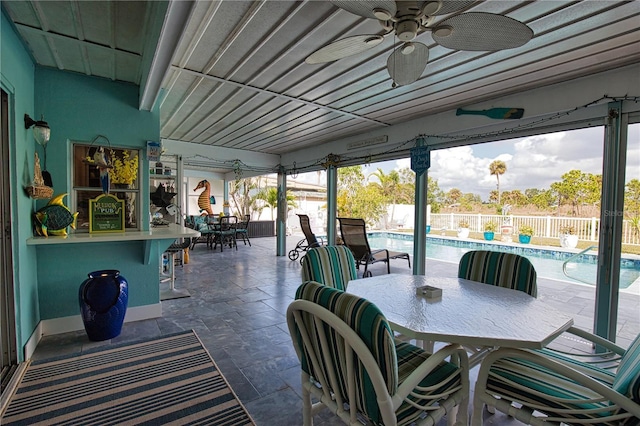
<point x="611" y="218"/>
<point x="281" y="219"/>
<point x="420" y="163"/>
<point x="332" y="203"/>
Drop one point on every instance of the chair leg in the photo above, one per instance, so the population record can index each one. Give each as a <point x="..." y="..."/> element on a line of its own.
<point x="307" y="409"/>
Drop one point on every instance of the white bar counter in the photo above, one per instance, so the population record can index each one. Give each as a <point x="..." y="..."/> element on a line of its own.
<point x="169" y="232"/>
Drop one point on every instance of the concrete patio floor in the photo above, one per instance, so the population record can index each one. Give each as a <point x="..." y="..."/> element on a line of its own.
<point x="237" y="307"/>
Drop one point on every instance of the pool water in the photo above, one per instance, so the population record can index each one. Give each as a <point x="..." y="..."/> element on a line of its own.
<point x="548" y="263"/>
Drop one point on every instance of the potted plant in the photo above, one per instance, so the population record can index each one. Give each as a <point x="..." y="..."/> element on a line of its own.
<point x="463" y="229"/>
<point x="489" y="230"/>
<point x="525" y="232"/>
<point x="568" y="237"/>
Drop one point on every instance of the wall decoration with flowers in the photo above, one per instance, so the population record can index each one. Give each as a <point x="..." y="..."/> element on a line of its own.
<point x="99" y="169"/>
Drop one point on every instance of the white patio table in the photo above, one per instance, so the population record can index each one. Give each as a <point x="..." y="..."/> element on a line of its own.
<point x="470" y="313"/>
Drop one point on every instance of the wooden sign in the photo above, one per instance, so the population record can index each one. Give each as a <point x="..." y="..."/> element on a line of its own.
<point x="420" y="159"/>
<point x="106" y="214"/>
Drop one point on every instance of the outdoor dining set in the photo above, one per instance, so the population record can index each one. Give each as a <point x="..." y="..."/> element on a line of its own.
<point x="398" y="349"/>
<point x="218" y="230"/>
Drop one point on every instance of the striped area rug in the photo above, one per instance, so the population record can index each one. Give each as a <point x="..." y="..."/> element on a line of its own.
<point x="168" y="380"/>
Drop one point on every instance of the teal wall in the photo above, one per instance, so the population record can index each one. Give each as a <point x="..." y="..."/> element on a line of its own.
<point x="17" y="79"/>
<point x="77" y="108"/>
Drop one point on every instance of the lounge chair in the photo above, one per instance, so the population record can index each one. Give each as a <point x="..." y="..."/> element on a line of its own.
<point x="309" y="241"/>
<point x="354" y="236"/>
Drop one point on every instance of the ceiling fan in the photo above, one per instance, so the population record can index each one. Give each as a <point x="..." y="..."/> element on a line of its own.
<point x="478" y="31"/>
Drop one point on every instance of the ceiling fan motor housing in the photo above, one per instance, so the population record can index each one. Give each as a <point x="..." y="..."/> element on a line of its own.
<point x="407" y="29"/>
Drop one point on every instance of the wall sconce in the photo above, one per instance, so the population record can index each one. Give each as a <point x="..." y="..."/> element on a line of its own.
<point x="41" y="133"/>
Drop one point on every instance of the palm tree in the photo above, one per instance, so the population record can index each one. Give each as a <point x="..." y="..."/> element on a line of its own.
<point x="389" y="186"/>
<point x="270" y="197"/>
<point x="498" y="167"/>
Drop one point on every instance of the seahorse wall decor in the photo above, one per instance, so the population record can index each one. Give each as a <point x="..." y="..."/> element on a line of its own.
<point x="204" y="200"/>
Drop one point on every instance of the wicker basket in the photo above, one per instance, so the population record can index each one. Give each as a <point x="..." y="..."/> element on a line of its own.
<point x="38" y="192"/>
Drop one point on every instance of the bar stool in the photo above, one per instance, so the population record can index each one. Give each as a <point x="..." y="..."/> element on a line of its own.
<point x="172" y="251"/>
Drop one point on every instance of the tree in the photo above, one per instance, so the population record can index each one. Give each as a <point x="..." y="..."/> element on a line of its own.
<point x="270" y="198"/>
<point x="435" y="195"/>
<point x="632" y="198"/>
<point x="355" y="198"/>
<point x="453" y="196"/>
<point x="389" y="186"/>
<point x="632" y="204"/>
<point x="243" y="193"/>
<point x="541" y="198"/>
<point x="577" y="188"/>
<point x="497" y="168"/>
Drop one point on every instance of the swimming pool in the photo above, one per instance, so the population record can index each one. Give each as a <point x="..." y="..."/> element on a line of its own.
<point x="548" y="263"/>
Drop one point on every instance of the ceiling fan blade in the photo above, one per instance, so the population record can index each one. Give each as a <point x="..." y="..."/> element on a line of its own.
<point x="444" y="7"/>
<point x="481" y="31"/>
<point x="367" y="8"/>
<point x="344" y="47"/>
<point x="406" y="66"/>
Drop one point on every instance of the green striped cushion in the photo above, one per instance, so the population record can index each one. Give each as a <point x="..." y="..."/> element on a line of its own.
<point x="555" y="392"/>
<point x="627" y="380"/>
<point x="370" y="324"/>
<point x="333" y="266"/>
<point x="501" y="269"/>
<point x="409" y="358"/>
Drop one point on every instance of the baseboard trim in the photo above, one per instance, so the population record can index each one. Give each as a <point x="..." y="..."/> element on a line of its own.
<point x="74" y="323"/>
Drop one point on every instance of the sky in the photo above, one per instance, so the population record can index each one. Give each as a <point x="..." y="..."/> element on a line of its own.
<point x="532" y="162"/>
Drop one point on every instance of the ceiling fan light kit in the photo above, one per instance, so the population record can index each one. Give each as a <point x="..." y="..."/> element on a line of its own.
<point x="406" y="20"/>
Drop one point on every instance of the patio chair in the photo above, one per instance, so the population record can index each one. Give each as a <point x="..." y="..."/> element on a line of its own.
<point x="354" y="236"/>
<point x="242" y="230"/>
<point x="225" y="233"/>
<point x="333" y="266"/>
<point x="203" y="224"/>
<point x="351" y="364"/>
<point x="502" y="269"/>
<point x="309" y="241"/>
<point x="542" y="387"/>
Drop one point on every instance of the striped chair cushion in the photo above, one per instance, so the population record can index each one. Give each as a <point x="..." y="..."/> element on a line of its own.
<point x="333" y="266"/>
<point x="410" y="357"/>
<point x="499" y="269"/>
<point x="525" y="382"/>
<point x="370" y="324"/>
<point x="627" y="380"/>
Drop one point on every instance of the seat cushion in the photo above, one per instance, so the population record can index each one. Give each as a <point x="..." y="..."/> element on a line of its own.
<point x="409" y="358"/>
<point x="627" y="380"/>
<point x="525" y="382"/>
<point x="333" y="266"/>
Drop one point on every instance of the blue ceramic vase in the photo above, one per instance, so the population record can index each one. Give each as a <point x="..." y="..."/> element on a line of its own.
<point x="103" y="304"/>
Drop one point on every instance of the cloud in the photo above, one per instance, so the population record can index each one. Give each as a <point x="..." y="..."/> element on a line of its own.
<point x="532" y="162"/>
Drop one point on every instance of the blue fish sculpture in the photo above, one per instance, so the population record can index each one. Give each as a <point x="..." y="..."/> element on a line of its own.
<point x="54" y="218"/>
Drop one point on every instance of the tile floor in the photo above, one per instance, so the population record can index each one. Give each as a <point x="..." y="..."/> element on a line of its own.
<point x="237" y="307"/>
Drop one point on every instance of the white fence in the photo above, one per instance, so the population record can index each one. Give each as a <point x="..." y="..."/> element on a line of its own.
<point x="587" y="229"/>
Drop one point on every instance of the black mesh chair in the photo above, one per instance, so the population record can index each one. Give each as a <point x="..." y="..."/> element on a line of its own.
<point x="309" y="241"/>
<point x="354" y="236"/>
